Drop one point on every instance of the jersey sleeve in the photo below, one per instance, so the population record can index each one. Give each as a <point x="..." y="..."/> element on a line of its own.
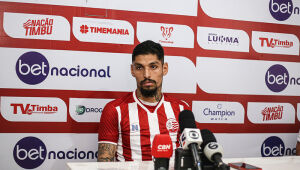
<point x="108" y="131"/>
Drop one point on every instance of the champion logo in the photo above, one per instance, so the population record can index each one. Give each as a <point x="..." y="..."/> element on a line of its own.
<point x="166" y="33"/>
<point x="172" y="125"/>
<point x="272" y="113"/>
<point x="38" y="27"/>
<point x="272" y="42"/>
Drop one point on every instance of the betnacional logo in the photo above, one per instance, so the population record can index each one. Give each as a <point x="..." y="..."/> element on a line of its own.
<point x="274" y="146"/>
<point x="34" y="26"/>
<point x="103" y="30"/>
<point x="282" y="10"/>
<point x="166" y="34"/>
<point x="33" y="109"/>
<point x="272" y="113"/>
<point x="31" y="152"/>
<point x="172" y="125"/>
<point x="218" y="112"/>
<point x="222" y="39"/>
<point x="33" y="68"/>
<point x="275" y="43"/>
<point x="277" y="78"/>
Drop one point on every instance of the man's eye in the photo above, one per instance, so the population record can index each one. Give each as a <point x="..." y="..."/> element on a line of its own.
<point x="138" y="67"/>
<point x="154" y="67"/>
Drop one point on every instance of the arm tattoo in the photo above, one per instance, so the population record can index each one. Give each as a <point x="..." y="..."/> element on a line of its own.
<point x="106" y="152"/>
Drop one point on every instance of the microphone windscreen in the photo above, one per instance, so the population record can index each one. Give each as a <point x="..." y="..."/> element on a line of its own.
<point x="207" y="137"/>
<point x="162" y="146"/>
<point x="186" y="120"/>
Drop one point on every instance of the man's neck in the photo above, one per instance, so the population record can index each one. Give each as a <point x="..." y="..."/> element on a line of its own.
<point x="154" y="99"/>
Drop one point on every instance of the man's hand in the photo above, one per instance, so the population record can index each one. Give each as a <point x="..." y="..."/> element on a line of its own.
<point x="106" y="152"/>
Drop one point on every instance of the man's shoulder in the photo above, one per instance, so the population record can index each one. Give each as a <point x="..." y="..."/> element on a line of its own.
<point x="125" y="99"/>
<point x="174" y="100"/>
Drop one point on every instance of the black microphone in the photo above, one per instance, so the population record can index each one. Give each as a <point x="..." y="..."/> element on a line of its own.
<point x="190" y="136"/>
<point x="212" y="150"/>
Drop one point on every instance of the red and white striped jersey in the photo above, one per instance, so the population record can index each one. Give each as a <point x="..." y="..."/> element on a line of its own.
<point x="130" y="125"/>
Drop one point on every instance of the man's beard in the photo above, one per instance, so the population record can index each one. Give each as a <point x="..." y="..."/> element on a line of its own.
<point x="148" y="92"/>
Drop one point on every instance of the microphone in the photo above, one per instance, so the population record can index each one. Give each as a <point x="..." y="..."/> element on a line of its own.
<point x="212" y="150"/>
<point x="190" y="138"/>
<point x="162" y="150"/>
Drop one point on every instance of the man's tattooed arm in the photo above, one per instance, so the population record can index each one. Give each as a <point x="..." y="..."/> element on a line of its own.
<point x="106" y="152"/>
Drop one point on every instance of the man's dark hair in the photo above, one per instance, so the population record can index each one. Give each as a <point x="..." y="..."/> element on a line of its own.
<point x="148" y="47"/>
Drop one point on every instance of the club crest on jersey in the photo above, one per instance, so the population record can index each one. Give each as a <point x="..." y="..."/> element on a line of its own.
<point x="134" y="127"/>
<point x="172" y="125"/>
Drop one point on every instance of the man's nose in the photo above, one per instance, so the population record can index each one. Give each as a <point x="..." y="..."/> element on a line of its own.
<point x="147" y="73"/>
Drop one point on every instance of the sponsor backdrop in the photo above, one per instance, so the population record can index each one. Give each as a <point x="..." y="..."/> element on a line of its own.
<point x="62" y="61"/>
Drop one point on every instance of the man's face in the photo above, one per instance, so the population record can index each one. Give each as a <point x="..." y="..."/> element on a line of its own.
<point x="148" y="71"/>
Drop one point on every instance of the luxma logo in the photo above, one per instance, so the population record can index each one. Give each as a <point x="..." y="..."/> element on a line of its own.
<point x="33" y="68"/>
<point x="30" y="152"/>
<point x="281" y="10"/>
<point x="277" y="78"/>
<point x="274" y="146"/>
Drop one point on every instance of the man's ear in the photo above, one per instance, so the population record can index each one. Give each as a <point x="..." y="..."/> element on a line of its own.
<point x="165" y="69"/>
<point x="132" y="72"/>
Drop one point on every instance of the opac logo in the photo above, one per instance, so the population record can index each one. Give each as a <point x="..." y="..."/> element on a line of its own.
<point x="277" y="78"/>
<point x="38" y="27"/>
<point x="221" y="39"/>
<point x="80" y="110"/>
<point x="33" y="109"/>
<point x="166" y="33"/>
<point x="33" y="68"/>
<point x="281" y="10"/>
<point x="271" y="42"/>
<point x="272" y="113"/>
<point x="30" y="152"/>
<point x="274" y="146"/>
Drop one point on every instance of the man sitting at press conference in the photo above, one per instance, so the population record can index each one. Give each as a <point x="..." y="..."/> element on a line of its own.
<point x="129" y="124"/>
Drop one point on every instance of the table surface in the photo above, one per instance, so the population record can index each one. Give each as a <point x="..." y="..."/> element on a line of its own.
<point x="266" y="163"/>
